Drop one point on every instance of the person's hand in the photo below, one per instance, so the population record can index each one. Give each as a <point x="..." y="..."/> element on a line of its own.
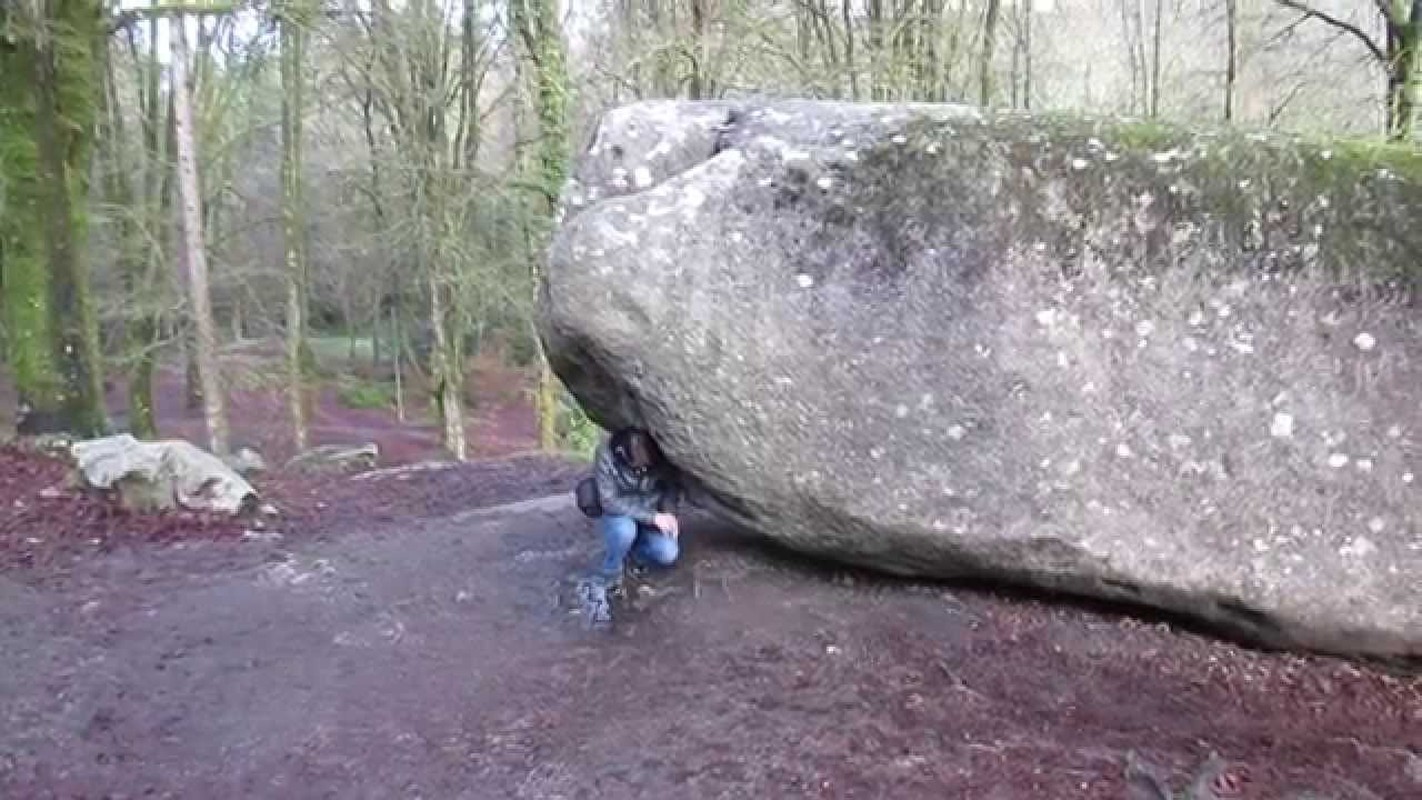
<point x="666" y="523"/>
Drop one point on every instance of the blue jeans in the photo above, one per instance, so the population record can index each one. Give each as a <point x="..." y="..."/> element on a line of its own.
<point x="623" y="535"/>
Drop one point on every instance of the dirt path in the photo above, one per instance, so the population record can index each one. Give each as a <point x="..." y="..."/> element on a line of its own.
<point x="439" y="660"/>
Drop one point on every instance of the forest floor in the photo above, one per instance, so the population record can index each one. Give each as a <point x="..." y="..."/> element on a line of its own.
<point x="405" y="634"/>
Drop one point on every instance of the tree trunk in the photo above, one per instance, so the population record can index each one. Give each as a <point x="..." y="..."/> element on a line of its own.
<point x="378" y="209"/>
<point x="448" y="369"/>
<point x="700" y="85"/>
<point x="1404" y="30"/>
<point x="292" y="24"/>
<point x="1014" y="73"/>
<point x="551" y="96"/>
<point x="192" y="375"/>
<point x="67" y="95"/>
<point x="1231" y="56"/>
<point x="157" y="192"/>
<point x="397" y="349"/>
<point x="49" y="106"/>
<point x="1027" y="21"/>
<point x="24" y="273"/>
<point x="985" y="90"/>
<point x="874" y="10"/>
<point x="1155" y="61"/>
<point x="849" y="64"/>
<point x="239" y="319"/>
<point x="138" y="336"/>
<point x="190" y="212"/>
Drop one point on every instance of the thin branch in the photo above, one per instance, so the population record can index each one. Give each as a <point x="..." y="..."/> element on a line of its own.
<point x="1342" y="25"/>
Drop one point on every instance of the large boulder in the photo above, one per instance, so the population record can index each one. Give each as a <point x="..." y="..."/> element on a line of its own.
<point x="150" y="476"/>
<point x="1104" y="358"/>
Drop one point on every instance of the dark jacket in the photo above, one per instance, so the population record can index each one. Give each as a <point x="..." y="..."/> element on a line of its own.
<point x="626" y="492"/>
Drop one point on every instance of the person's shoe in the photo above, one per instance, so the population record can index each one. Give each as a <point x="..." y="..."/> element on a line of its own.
<point x="595" y="602"/>
<point x="612" y="585"/>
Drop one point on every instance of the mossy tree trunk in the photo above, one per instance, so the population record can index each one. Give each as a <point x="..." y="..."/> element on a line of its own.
<point x="1397" y="55"/>
<point x="294" y="17"/>
<point x="146" y="333"/>
<point x="125" y="158"/>
<point x="48" y="104"/>
<point x="542" y="37"/>
<point x="985" y="84"/>
<point x="1404" y="28"/>
<point x="24" y="274"/>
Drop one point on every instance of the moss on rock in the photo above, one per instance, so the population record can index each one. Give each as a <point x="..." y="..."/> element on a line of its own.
<point x="1278" y="202"/>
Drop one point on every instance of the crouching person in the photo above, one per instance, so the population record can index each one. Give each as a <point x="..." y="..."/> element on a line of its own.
<point x="639" y="494"/>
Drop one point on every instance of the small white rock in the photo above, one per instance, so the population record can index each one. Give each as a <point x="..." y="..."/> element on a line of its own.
<point x="1359" y="547"/>
<point x="1377" y="524"/>
<point x="1364" y="465"/>
<point x="1079" y="164"/>
<point x="804" y="280"/>
<point x="1338" y="461"/>
<point x="1283" y="426"/>
<point x="642" y="177"/>
<point x="824" y="182"/>
<point x="1365" y="341"/>
<point x="956" y="432"/>
<point x="1123" y="450"/>
<point x="1408" y="477"/>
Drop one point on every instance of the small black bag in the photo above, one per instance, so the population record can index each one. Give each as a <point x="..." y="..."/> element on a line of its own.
<point x="588" y="501"/>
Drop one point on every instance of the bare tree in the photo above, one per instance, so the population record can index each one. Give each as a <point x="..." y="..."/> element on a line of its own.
<point x="193" y="243"/>
<point x="1396" y="55"/>
<point x="1231" y="56"/>
<point x="1155" y="59"/>
<point x="1027" y="25"/>
<point x="294" y="16"/>
<point x="985" y="88"/>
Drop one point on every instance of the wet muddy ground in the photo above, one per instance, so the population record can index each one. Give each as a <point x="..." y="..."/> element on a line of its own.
<point x="443" y="658"/>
